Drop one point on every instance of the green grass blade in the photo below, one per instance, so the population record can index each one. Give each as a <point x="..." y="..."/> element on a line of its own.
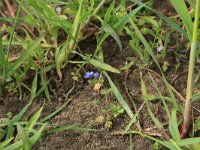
<point x="109" y="11"/>
<point x="37" y="135"/>
<point x="44" y="82"/>
<point x="189" y="141"/>
<point x="163" y="101"/>
<point x="13" y="28"/>
<point x="119" y="97"/>
<point x="144" y="93"/>
<point x="2" y="57"/>
<point x="10" y="128"/>
<point x="166" y="19"/>
<point x="182" y="10"/>
<point x="108" y="29"/>
<point x="121" y="23"/>
<point x="150" y="51"/>
<point x="69" y="127"/>
<point x="164" y="143"/>
<point x="43" y="88"/>
<point x="34" y="87"/>
<point x="5" y="143"/>
<point x="131" y="143"/>
<point x="23" y="57"/>
<point x="14" y="146"/>
<point x="173" y="127"/>
<point x="21" y="113"/>
<point x="33" y="120"/>
<point x="56" y="112"/>
<point x="24" y="137"/>
<point x="101" y="65"/>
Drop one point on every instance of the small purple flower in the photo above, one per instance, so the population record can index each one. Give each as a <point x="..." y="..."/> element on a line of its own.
<point x="89" y="74"/>
<point x="96" y="75"/>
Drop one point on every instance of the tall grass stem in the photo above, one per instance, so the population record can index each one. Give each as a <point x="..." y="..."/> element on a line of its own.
<point x="187" y="111"/>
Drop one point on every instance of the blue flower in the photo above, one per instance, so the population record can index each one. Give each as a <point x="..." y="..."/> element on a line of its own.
<point x="96" y="75"/>
<point x="89" y="74"/>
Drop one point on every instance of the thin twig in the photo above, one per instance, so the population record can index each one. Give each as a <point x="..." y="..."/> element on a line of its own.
<point x="10" y="8"/>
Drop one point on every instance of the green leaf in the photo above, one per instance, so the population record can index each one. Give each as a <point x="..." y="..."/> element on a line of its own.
<point x="60" y="56"/>
<point x="2" y="57"/>
<point x="145" y="95"/>
<point x="101" y="65"/>
<point x="24" y="137"/>
<point x="5" y="143"/>
<point x="184" y="14"/>
<point x="173" y="127"/>
<point x="37" y="135"/>
<point x="33" y="120"/>
<point x="108" y="29"/>
<point x="23" y="57"/>
<point x="69" y="127"/>
<point x="34" y="87"/>
<point x="109" y="11"/>
<point x="10" y="128"/>
<point x="119" y="97"/>
<point x="21" y="113"/>
<point x="189" y="141"/>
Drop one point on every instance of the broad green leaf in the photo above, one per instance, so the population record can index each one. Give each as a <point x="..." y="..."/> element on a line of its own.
<point x="119" y="97"/>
